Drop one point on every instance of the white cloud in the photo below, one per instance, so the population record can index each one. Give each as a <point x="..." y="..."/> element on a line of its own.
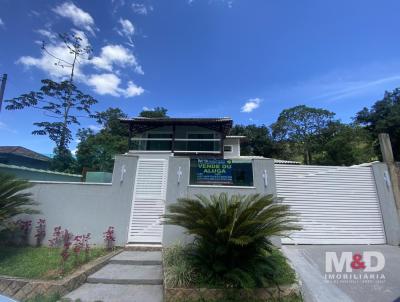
<point x="140" y="9"/>
<point x="58" y="49"/>
<point x="109" y="83"/>
<point x="79" y="17"/>
<point x="127" y="29"/>
<point x="47" y="34"/>
<point x="118" y="55"/>
<point x="106" y="83"/>
<point x="47" y="63"/>
<point x="111" y="58"/>
<point x="251" y="105"/>
<point x="133" y="90"/>
<point x="1" y="23"/>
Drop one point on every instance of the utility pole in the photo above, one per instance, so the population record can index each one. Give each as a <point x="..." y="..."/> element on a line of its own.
<point x="2" y="88"/>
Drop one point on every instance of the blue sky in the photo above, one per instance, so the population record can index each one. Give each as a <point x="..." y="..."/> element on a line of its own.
<point x="240" y="58"/>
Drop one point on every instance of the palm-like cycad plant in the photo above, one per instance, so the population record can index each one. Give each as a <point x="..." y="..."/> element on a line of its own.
<point x="12" y="201"/>
<point x="232" y="242"/>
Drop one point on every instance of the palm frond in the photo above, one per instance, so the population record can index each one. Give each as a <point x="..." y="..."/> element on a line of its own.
<point x="13" y="200"/>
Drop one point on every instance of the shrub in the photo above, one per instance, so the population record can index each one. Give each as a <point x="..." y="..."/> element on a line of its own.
<point x="13" y="201"/>
<point x="178" y="270"/>
<point x="232" y="245"/>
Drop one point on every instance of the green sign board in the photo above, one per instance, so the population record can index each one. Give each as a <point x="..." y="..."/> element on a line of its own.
<point x="214" y="171"/>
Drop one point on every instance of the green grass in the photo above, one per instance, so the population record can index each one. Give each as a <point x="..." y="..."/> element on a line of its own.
<point x="41" y="298"/>
<point x="39" y="262"/>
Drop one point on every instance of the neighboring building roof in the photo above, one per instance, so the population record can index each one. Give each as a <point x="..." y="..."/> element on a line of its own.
<point x="287" y="162"/>
<point x="37" y="170"/>
<point x="21" y="151"/>
<point x="276" y="161"/>
<point x="141" y="124"/>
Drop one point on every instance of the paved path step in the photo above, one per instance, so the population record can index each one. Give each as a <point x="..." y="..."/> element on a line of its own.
<point x="117" y="293"/>
<point x="137" y="258"/>
<point x="128" y="274"/>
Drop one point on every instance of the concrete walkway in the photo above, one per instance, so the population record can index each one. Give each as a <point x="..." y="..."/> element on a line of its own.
<point x="131" y="276"/>
<point x="309" y="262"/>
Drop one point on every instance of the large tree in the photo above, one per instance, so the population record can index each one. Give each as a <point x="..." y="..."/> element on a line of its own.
<point x="302" y="126"/>
<point x="384" y="116"/>
<point x="61" y="102"/>
<point x="96" y="151"/>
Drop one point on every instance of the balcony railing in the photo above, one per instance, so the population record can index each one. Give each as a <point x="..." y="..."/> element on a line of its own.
<point x="177" y="145"/>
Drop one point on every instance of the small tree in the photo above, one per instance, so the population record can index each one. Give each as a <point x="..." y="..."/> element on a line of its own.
<point x="61" y="101"/>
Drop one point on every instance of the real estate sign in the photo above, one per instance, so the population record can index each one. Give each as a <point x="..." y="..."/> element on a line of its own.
<point x="214" y="171"/>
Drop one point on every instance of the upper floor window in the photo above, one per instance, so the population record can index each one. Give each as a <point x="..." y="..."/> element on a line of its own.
<point x="228" y="148"/>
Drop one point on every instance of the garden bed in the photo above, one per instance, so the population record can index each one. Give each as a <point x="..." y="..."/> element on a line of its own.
<point x="27" y="272"/>
<point x="183" y="284"/>
<point x="41" y="262"/>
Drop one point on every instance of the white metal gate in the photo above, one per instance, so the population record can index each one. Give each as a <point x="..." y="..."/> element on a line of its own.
<point x="148" y="201"/>
<point x="335" y="205"/>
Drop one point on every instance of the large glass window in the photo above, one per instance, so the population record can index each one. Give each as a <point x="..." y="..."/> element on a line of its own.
<point x="241" y="171"/>
<point x="200" y="145"/>
<point x="159" y="145"/>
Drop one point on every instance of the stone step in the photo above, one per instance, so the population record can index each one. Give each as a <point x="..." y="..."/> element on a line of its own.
<point x="116" y="293"/>
<point x="143" y="247"/>
<point x="137" y="258"/>
<point x="128" y="274"/>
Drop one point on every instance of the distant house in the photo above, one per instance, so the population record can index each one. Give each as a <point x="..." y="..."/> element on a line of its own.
<point x="23" y="157"/>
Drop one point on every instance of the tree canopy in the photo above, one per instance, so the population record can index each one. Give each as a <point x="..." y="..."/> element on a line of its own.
<point x="384" y="117"/>
<point x="96" y="151"/>
<point x="154" y="113"/>
<point x="301" y="126"/>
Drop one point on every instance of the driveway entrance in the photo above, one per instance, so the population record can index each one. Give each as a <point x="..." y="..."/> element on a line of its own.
<point x="360" y="285"/>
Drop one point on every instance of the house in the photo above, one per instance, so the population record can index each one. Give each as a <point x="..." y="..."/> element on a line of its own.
<point x="172" y="158"/>
<point x="23" y="157"/>
<point x="193" y="137"/>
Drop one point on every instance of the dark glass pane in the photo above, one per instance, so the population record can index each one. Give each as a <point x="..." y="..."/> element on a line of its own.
<point x="242" y="173"/>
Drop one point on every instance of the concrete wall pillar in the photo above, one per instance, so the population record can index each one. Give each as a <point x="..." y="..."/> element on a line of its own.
<point x="387" y="202"/>
<point x="387" y="155"/>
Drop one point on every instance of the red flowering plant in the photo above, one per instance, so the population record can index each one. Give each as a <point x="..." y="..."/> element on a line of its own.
<point x="57" y="239"/>
<point x="25" y="227"/>
<point x="77" y="247"/>
<point x="40" y="231"/>
<point x="109" y="238"/>
<point x="65" y="253"/>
